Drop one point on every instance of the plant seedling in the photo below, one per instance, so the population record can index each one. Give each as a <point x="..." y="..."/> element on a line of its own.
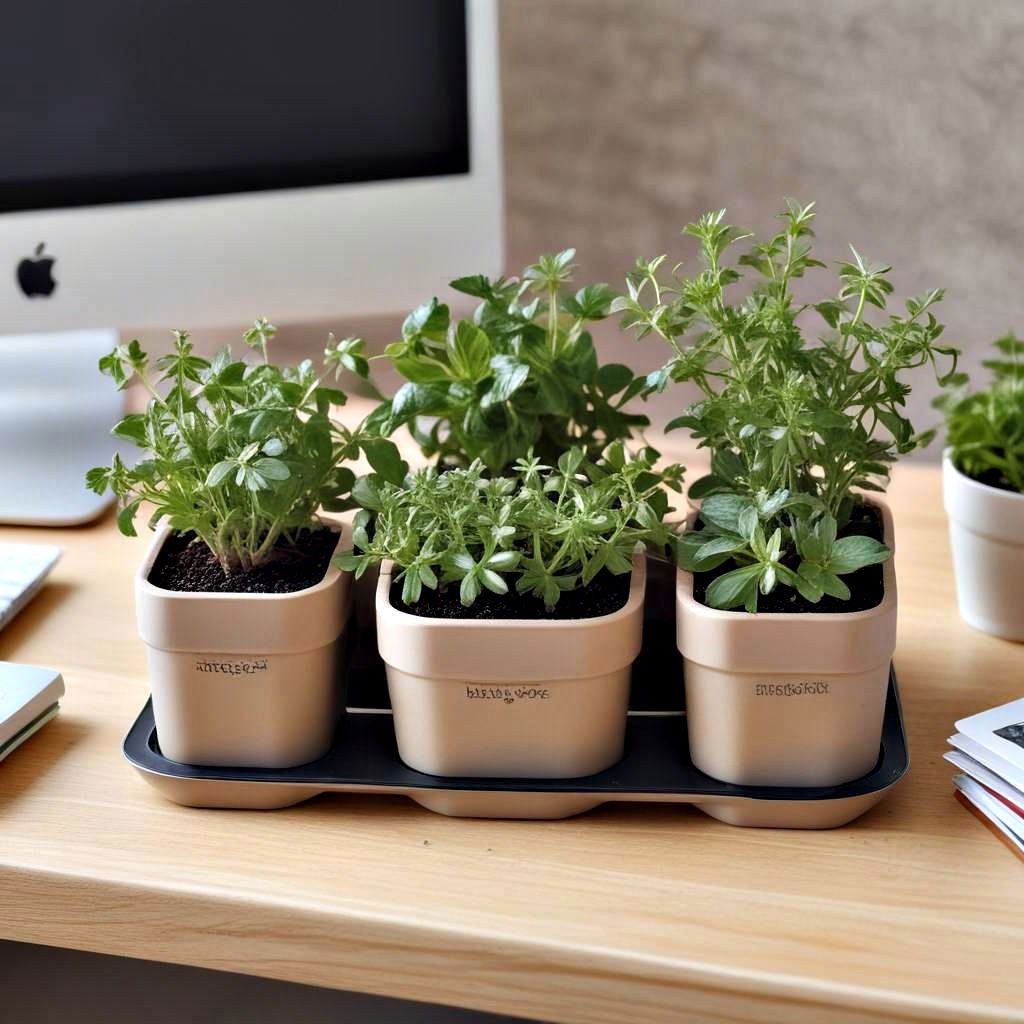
<point x="797" y="427"/>
<point x="522" y="374"/>
<point x="242" y="455"/>
<point x="544" y="530"/>
<point x="986" y="429"/>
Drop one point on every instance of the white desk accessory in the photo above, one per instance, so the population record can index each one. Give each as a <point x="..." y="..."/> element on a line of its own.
<point x="56" y="414"/>
<point x="28" y="700"/>
<point x="23" y="568"/>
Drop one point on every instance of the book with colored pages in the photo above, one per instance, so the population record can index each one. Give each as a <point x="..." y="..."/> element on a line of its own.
<point x="989" y="752"/>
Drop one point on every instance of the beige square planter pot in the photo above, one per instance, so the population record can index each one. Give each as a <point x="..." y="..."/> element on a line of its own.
<point x="779" y="699"/>
<point x="508" y="697"/>
<point x="244" y="680"/>
<point x="986" y="533"/>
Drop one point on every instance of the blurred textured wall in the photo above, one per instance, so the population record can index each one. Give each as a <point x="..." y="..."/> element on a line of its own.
<point x="904" y="120"/>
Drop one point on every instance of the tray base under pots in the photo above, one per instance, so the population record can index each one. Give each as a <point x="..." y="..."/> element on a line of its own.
<point x="655" y="768"/>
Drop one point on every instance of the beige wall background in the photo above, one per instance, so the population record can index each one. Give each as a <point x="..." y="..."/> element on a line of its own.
<point x="904" y="121"/>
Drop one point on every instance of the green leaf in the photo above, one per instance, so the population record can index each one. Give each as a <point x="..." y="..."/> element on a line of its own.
<point x="385" y="459"/>
<point x="834" y="586"/>
<point x="272" y="469"/>
<point x="469" y="589"/>
<point x="509" y="376"/>
<point x="493" y="582"/>
<point x="133" y="428"/>
<point x="416" y="399"/>
<point x="590" y="303"/>
<point x="98" y="479"/>
<point x="707" y="485"/>
<point x="469" y="352"/>
<point x="829" y="419"/>
<point x="412" y="587"/>
<point x="724" y="511"/>
<point x="733" y="588"/>
<point x="613" y="378"/>
<point x="219" y="473"/>
<point x="852" y="553"/>
<point x="476" y="285"/>
<point x="367" y="494"/>
<point x="429" y="320"/>
<point x="126" y="519"/>
<point x="724" y="544"/>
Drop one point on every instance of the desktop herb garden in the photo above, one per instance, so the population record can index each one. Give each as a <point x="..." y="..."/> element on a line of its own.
<point x="517" y="556"/>
<point x="521" y="375"/>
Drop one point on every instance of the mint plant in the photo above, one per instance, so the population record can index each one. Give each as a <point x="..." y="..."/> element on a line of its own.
<point x="242" y="455"/>
<point x="542" y="529"/>
<point x="986" y="429"/>
<point x="522" y="374"/>
<point x="797" y="425"/>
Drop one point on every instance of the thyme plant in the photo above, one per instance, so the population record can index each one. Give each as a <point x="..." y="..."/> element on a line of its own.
<point x="242" y="455"/>
<point x="543" y="529"/>
<point x="986" y="429"/>
<point x="522" y="374"/>
<point x="798" y="423"/>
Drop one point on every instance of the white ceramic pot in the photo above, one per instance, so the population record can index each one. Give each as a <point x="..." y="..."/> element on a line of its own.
<point x="986" y="532"/>
<point x="244" y="680"/>
<point x="513" y="698"/>
<point x="778" y="699"/>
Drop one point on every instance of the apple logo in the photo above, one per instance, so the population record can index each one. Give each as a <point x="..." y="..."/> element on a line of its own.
<point x="35" y="276"/>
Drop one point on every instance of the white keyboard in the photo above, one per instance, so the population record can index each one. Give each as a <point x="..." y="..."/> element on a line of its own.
<point x="23" y="568"/>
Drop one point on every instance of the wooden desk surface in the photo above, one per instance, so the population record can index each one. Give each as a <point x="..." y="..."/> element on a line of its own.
<point x="628" y="913"/>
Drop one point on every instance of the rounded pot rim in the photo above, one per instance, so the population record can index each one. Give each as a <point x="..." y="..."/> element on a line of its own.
<point x="977" y="485"/>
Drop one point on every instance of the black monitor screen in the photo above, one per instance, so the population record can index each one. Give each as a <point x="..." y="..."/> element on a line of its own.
<point x="117" y="100"/>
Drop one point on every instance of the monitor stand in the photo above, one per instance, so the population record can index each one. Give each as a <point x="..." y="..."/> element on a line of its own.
<point x="56" y="414"/>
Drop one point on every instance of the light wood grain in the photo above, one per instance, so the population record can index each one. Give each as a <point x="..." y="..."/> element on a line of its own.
<point x="629" y="913"/>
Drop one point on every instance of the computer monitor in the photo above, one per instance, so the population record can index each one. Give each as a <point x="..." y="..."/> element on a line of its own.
<point x="202" y="162"/>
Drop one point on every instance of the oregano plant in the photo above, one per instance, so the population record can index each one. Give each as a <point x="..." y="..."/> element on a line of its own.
<point x="985" y="428"/>
<point x="802" y="403"/>
<point x="522" y="374"/>
<point x="542" y="530"/>
<point x="242" y="454"/>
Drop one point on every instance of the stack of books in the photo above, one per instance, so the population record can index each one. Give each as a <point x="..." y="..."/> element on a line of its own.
<point x="988" y="749"/>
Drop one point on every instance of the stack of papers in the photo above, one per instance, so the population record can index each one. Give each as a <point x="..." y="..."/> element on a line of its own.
<point x="989" y="751"/>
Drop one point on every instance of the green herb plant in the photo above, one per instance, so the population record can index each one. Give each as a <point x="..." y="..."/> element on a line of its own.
<point x="986" y="429"/>
<point x="240" y="454"/>
<point x="797" y="424"/>
<point x="522" y="374"/>
<point x="542" y="529"/>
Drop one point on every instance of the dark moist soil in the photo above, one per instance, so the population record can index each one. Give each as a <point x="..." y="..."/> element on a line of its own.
<point x="605" y="594"/>
<point x="993" y="478"/>
<point x="866" y="585"/>
<point x="187" y="564"/>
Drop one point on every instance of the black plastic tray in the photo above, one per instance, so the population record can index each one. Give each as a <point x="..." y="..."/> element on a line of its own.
<point x="655" y="767"/>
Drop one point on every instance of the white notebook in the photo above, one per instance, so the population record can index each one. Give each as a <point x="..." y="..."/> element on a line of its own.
<point x="28" y="700"/>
